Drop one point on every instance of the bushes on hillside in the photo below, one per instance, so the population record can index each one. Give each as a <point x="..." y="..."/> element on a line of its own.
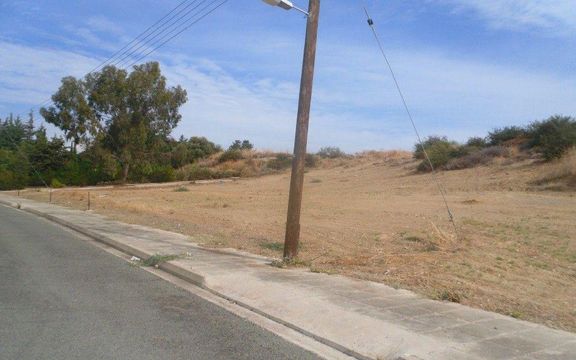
<point x="331" y="152"/>
<point x="561" y="171"/>
<point x="162" y="173"/>
<point x="554" y="136"/>
<point x="231" y="155"/>
<point x="439" y="149"/>
<point x="503" y="135"/>
<point x="551" y="138"/>
<point x="191" y="150"/>
<point x="194" y="172"/>
<point x="480" y="157"/>
<point x="476" y="143"/>
<point x="283" y="161"/>
<point x="449" y="155"/>
<point x="280" y="162"/>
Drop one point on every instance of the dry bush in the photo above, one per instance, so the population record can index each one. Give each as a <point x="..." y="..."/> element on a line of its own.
<point x="385" y="155"/>
<point x="244" y="168"/>
<point x="563" y="170"/>
<point x="480" y="157"/>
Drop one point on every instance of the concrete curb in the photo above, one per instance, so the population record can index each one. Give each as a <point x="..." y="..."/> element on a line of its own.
<point x="172" y="269"/>
<point x="186" y="275"/>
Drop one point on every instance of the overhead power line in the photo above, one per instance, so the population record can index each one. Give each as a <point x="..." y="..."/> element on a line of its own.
<point x="141" y="37"/>
<point x="211" y="9"/>
<point x="147" y="40"/>
<point x="409" y="113"/>
<point x="160" y="25"/>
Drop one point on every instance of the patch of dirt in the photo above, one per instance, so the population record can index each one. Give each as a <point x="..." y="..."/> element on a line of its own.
<point x="372" y="217"/>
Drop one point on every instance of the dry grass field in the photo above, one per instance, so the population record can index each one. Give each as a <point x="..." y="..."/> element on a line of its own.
<point x="373" y="217"/>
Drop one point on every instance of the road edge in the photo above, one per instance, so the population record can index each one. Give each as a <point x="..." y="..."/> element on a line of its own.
<point x="186" y="275"/>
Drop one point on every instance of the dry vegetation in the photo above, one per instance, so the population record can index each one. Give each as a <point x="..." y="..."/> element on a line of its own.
<point x="374" y="217"/>
<point x="560" y="174"/>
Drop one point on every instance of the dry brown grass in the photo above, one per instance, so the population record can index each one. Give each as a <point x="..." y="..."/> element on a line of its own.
<point x="371" y="217"/>
<point x="560" y="174"/>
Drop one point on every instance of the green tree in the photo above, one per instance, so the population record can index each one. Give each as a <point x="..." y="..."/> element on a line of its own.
<point x="241" y="145"/>
<point x="129" y="115"/>
<point x="71" y="112"/>
<point x="14" y="170"/>
<point x="12" y="132"/>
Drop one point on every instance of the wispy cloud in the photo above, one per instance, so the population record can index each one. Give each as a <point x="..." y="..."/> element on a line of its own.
<point x="355" y="105"/>
<point x="29" y="75"/>
<point x="555" y="16"/>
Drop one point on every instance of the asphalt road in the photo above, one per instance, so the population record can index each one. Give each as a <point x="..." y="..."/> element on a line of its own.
<point x="62" y="298"/>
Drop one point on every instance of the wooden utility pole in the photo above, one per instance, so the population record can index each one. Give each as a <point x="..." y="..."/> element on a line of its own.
<point x="292" y="237"/>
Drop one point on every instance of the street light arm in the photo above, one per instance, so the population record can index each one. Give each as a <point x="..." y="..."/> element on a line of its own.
<point x="286" y="5"/>
<point x="301" y="10"/>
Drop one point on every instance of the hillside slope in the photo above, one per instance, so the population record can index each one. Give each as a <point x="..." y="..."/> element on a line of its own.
<point x="374" y="217"/>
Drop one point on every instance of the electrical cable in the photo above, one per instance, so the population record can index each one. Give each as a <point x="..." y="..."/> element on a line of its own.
<point x="408" y="112"/>
<point x="165" y="26"/>
<point x="222" y="2"/>
<point x="138" y="38"/>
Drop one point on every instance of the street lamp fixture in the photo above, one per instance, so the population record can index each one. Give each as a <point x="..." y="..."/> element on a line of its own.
<point x="292" y="236"/>
<point x="285" y="4"/>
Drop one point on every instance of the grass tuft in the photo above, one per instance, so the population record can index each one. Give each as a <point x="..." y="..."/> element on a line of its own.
<point x="156" y="260"/>
<point x="449" y="295"/>
<point x="274" y="246"/>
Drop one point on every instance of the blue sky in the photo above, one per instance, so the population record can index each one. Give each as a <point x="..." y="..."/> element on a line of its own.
<point x="466" y="66"/>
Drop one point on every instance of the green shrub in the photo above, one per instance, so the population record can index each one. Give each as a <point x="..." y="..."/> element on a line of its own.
<point x="194" y="172"/>
<point x="552" y="137"/>
<point x="281" y="162"/>
<point x="188" y="151"/>
<point x="231" y="155"/>
<point x="162" y="173"/>
<point x="505" y="134"/>
<point x="476" y="142"/>
<point x="14" y="169"/>
<point x="331" y="152"/>
<point x="439" y="149"/>
<point x="426" y="144"/>
<point x="56" y="184"/>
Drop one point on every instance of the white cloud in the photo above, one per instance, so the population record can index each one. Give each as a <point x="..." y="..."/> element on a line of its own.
<point x="29" y="75"/>
<point x="355" y="104"/>
<point x="555" y="16"/>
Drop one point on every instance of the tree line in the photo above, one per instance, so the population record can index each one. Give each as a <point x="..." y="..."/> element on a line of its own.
<point x="116" y="127"/>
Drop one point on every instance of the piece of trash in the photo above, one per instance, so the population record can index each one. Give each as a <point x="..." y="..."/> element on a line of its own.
<point x="156" y="266"/>
<point x="189" y="254"/>
<point x="135" y="258"/>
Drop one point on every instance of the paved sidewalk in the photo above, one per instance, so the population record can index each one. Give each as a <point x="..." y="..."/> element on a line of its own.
<point x="363" y="319"/>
